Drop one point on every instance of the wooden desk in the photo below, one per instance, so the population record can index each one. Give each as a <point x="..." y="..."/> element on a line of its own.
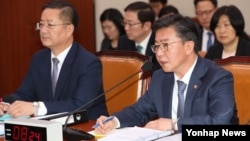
<point x="87" y="126"/>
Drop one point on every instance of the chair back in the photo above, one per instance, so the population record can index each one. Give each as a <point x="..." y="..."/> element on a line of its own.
<point x="122" y="80"/>
<point x="240" y="68"/>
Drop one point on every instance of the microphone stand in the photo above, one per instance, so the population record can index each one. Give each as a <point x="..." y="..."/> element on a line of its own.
<point x="80" y="135"/>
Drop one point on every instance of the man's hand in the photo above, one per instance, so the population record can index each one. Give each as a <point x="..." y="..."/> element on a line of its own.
<point x="21" y="108"/>
<point x="104" y="128"/>
<point x="160" y="124"/>
<point x="3" y="107"/>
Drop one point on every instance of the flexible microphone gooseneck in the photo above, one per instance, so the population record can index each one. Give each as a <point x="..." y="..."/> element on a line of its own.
<point x="9" y="99"/>
<point x="80" y="135"/>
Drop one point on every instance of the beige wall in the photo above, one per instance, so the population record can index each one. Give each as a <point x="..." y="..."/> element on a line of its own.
<point x="185" y="7"/>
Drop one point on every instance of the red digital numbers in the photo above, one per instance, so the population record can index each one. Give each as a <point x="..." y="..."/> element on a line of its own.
<point x="23" y="133"/>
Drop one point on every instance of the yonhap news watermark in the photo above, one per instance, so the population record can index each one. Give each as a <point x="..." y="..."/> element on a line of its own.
<point x="215" y="132"/>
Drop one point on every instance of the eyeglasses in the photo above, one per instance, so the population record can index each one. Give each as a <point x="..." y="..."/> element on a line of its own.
<point x="163" y="46"/>
<point x="129" y="24"/>
<point x="207" y="12"/>
<point x="49" y="26"/>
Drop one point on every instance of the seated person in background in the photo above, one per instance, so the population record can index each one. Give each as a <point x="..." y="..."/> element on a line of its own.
<point x="168" y="10"/>
<point x="138" y="21"/>
<point x="183" y="91"/>
<point x="204" y="10"/>
<point x="157" y="5"/>
<point x="112" y="28"/>
<point x="63" y="87"/>
<point x="228" y="26"/>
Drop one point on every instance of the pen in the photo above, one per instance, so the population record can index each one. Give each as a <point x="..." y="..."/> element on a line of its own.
<point x="104" y="121"/>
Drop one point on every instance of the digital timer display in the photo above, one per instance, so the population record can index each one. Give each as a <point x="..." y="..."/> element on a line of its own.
<point x="19" y="129"/>
<point x="24" y="133"/>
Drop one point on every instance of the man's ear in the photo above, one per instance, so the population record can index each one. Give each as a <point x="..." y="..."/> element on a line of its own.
<point x="70" y="29"/>
<point x="147" y="25"/>
<point x="189" y="46"/>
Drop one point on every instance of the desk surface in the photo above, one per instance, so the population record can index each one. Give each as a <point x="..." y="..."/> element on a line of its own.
<point x="87" y="126"/>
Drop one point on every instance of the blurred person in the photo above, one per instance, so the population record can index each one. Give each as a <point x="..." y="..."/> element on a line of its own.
<point x="228" y="26"/>
<point x="157" y="5"/>
<point x="138" y="20"/>
<point x="168" y="10"/>
<point x="112" y="28"/>
<point x="187" y="90"/>
<point x="204" y="10"/>
<point x="75" y="78"/>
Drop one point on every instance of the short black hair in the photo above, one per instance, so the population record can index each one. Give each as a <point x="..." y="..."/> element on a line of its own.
<point x="144" y="11"/>
<point x="68" y="12"/>
<point x="164" y="2"/>
<point x="214" y="2"/>
<point x="169" y="9"/>
<point x="115" y="16"/>
<point x="185" y="28"/>
<point x="234" y="15"/>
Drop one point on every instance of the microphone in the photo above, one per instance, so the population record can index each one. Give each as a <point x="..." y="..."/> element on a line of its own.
<point x="75" y="134"/>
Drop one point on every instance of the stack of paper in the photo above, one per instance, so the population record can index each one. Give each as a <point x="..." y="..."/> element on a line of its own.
<point x="134" y="134"/>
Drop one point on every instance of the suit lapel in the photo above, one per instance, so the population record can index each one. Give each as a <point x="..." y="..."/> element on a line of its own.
<point x="167" y="94"/>
<point x="65" y="70"/>
<point x="194" y="85"/>
<point x="45" y="73"/>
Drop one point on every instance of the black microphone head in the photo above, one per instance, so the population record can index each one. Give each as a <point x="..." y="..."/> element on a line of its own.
<point x="146" y="66"/>
<point x="9" y="99"/>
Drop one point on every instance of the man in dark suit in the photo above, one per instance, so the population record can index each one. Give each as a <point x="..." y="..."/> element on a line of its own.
<point x="78" y="75"/>
<point x="138" y="20"/>
<point x="187" y="90"/>
<point x="204" y="10"/>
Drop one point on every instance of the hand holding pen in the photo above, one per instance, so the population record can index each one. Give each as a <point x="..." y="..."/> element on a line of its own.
<point x="105" y="124"/>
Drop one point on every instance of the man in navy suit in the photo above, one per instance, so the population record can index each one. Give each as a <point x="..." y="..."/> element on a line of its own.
<point x="79" y="73"/>
<point x="138" y="20"/>
<point x="204" y="10"/>
<point x="208" y="89"/>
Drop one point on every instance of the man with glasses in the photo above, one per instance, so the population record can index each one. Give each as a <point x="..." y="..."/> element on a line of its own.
<point x="186" y="90"/>
<point x="204" y="10"/>
<point x="138" y="20"/>
<point x="63" y="76"/>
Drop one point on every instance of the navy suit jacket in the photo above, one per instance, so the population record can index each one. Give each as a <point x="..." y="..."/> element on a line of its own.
<point x="209" y="98"/>
<point x="79" y="81"/>
<point x="126" y="44"/>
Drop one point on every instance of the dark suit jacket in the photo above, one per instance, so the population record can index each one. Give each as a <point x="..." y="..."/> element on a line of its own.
<point x="126" y="44"/>
<point x="106" y="45"/>
<point x="79" y="81"/>
<point x="243" y="49"/>
<point x="201" y="30"/>
<point x="209" y="99"/>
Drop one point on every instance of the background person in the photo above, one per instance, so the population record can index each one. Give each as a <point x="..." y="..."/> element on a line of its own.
<point x="111" y="22"/>
<point x="228" y="26"/>
<point x="138" y="21"/>
<point x="204" y="10"/>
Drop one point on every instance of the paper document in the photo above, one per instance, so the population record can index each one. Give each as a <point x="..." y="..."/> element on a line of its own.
<point x="134" y="134"/>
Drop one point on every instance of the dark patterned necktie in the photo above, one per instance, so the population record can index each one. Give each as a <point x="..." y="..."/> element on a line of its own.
<point x="209" y="41"/>
<point x="181" y="101"/>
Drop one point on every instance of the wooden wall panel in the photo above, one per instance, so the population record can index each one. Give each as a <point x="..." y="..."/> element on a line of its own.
<point x="19" y="40"/>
